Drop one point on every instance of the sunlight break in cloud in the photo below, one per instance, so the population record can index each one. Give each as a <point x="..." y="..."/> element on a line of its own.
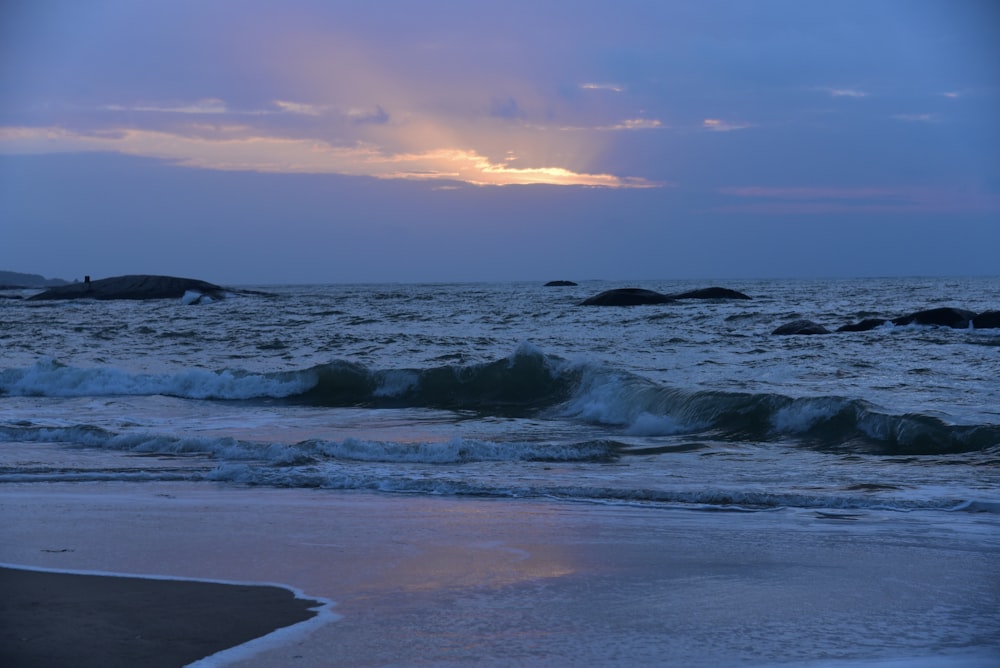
<point x="302" y="156"/>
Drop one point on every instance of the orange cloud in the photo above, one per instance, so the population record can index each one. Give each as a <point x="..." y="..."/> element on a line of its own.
<point x="304" y="156"/>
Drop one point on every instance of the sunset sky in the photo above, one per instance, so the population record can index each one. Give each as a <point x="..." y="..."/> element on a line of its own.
<point x="254" y="142"/>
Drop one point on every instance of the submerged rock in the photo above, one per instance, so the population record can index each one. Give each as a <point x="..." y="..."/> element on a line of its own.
<point x="136" y="286"/>
<point x="627" y="297"/>
<point x="800" y="327"/>
<point x="710" y="293"/>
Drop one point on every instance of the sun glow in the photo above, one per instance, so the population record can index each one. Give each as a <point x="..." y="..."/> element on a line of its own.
<point x="262" y="153"/>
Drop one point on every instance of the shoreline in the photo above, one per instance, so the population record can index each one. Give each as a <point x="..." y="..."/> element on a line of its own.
<point x="421" y="580"/>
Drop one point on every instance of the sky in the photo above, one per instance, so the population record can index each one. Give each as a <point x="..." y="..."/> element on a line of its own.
<point x="251" y="142"/>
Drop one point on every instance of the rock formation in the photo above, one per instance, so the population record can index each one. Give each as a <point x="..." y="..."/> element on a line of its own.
<point x="138" y="286"/>
<point x="955" y="318"/>
<point x="635" y="296"/>
<point x="627" y="297"/>
<point x="987" y="320"/>
<point x="800" y="327"/>
<point x="710" y="293"/>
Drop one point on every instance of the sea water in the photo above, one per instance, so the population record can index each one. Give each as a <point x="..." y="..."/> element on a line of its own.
<point x="518" y="390"/>
<point x="689" y="417"/>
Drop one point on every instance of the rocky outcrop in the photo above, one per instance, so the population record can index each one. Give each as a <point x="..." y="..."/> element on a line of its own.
<point x="955" y="318"/>
<point x="710" y="293"/>
<point x="987" y="320"/>
<point x="627" y="297"/>
<point x="800" y="327"/>
<point x="636" y="296"/>
<point x="138" y="286"/>
<point x="560" y="284"/>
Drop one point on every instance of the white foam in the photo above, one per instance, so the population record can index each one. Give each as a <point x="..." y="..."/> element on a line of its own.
<point x="803" y="414"/>
<point x="396" y="383"/>
<point x="647" y="424"/>
<point x="49" y="378"/>
<point x="194" y="297"/>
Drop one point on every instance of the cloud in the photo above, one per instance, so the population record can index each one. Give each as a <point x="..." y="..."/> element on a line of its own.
<point x="210" y="105"/>
<point x="614" y="88"/>
<point x="917" y="118"/>
<point x="272" y="154"/>
<point x="215" y="106"/>
<point x="376" y="116"/>
<point x="637" y="124"/>
<point x="626" y="125"/>
<point x="300" y="108"/>
<point x="845" y="92"/>
<point x="718" y="125"/>
<point x="807" y="193"/>
<point x="826" y="200"/>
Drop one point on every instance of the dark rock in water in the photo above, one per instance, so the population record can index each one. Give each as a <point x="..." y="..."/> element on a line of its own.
<point x="139" y="286"/>
<point x="987" y="320"/>
<point x="801" y="327"/>
<point x="627" y="297"/>
<point x="559" y="284"/>
<point x="946" y="317"/>
<point x="863" y="326"/>
<point x="710" y="293"/>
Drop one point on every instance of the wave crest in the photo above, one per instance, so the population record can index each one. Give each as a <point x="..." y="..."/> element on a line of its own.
<point x="531" y="383"/>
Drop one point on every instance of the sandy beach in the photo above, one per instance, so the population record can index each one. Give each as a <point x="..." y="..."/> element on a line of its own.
<point x="452" y="581"/>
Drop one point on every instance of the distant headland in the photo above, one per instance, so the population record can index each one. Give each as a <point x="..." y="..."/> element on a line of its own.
<point x="15" y="280"/>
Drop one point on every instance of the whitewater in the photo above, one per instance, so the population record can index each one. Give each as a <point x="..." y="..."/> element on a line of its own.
<point x="518" y="390"/>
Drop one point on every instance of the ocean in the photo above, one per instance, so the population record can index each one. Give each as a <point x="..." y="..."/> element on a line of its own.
<point x="517" y="391"/>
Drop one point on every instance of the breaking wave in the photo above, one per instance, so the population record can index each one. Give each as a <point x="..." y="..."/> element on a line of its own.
<point x="531" y="383"/>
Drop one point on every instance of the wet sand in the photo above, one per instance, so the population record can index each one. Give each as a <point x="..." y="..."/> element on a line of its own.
<point x="452" y="581"/>
<point x="57" y="619"/>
